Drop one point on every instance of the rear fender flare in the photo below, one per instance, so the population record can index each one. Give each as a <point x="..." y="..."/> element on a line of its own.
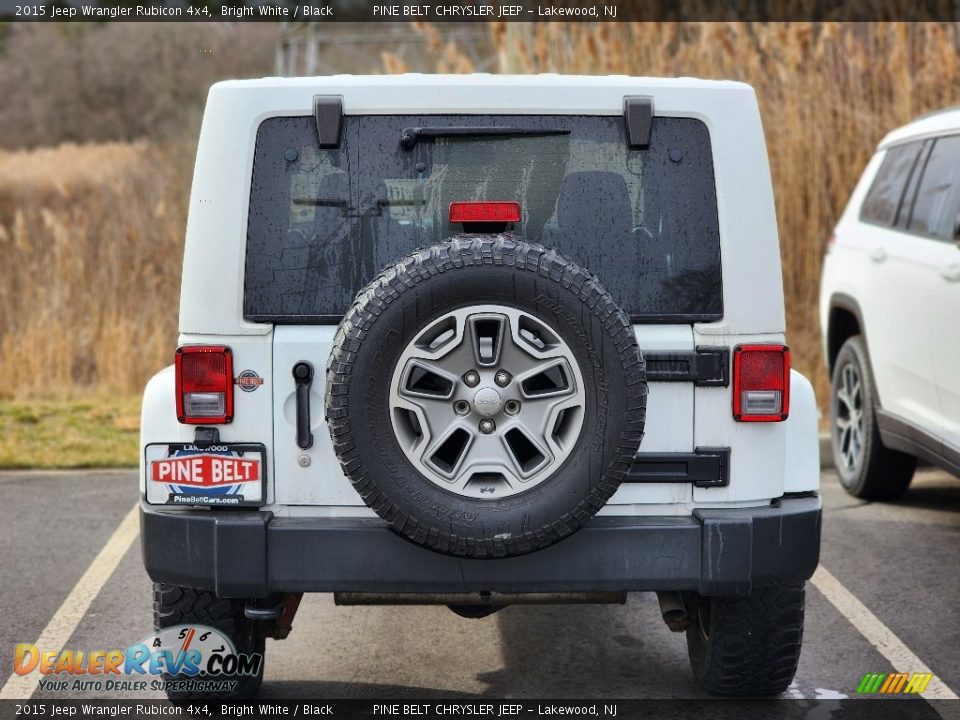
<point x="158" y="416"/>
<point x="801" y="470"/>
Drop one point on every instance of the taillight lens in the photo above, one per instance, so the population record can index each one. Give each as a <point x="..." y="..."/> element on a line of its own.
<point x="501" y="211"/>
<point x="204" y="384"/>
<point x="761" y="383"/>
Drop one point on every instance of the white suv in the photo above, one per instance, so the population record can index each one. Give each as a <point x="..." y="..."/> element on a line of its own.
<point x="889" y="304"/>
<point x="478" y="341"/>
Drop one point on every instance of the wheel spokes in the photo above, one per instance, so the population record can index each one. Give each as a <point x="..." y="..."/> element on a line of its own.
<point x="486" y="401"/>
<point x="527" y="454"/>
<point x="427" y="380"/>
<point x="848" y="420"/>
<point x="448" y="453"/>
<point x="487" y="332"/>
<point x="546" y="380"/>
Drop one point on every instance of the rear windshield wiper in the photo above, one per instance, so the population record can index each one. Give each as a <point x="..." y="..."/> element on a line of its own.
<point x="409" y="137"/>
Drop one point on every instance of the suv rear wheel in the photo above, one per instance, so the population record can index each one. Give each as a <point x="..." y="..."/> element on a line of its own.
<point x="746" y="646"/>
<point x="865" y="467"/>
<point x="486" y="396"/>
<point x="174" y="605"/>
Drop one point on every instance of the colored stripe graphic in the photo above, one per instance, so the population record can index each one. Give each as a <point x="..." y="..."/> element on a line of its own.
<point x="894" y="683"/>
<point x="871" y="682"/>
<point x="918" y="682"/>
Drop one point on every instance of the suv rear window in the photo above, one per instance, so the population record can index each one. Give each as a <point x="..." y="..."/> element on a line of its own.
<point x="882" y="204"/>
<point x="323" y="222"/>
<point x="935" y="209"/>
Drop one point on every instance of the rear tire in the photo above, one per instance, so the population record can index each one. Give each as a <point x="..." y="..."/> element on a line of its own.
<point x="175" y="605"/>
<point x="746" y="646"/>
<point x="543" y="308"/>
<point x="866" y="468"/>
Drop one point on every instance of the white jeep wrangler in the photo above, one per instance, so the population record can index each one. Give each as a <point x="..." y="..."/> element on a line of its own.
<point x="484" y="340"/>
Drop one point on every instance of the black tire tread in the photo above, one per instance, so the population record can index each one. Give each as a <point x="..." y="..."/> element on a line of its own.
<point x="754" y="642"/>
<point x="176" y="605"/>
<point x="473" y="250"/>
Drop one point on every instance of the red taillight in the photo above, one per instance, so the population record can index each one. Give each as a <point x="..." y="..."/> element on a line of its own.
<point x="204" y="384"/>
<point x="485" y="212"/>
<point x="761" y="383"/>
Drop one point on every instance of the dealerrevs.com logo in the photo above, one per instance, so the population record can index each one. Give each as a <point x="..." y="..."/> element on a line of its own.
<point x="185" y="658"/>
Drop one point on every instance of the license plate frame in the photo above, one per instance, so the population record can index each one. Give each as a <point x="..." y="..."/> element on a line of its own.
<point x="243" y="493"/>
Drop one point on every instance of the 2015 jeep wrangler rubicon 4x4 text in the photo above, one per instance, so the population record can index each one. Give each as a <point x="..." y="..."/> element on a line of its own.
<point x="476" y="341"/>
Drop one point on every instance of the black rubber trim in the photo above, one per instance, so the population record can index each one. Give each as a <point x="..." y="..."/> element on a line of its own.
<point x="328" y="114"/>
<point x="705" y="367"/>
<point x="714" y="552"/>
<point x="842" y="301"/>
<point x="335" y="319"/>
<point x="898" y="434"/>
<point x="204" y="437"/>
<point x="638" y="114"/>
<point x="223" y="552"/>
<point x="705" y="467"/>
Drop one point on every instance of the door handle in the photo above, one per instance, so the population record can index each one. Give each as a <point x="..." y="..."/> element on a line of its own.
<point x="951" y="273"/>
<point x="303" y="377"/>
<point x="878" y="254"/>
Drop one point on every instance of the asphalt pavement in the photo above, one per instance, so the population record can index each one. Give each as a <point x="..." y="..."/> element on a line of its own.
<point x="900" y="562"/>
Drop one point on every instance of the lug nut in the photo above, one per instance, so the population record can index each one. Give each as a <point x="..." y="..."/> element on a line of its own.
<point x="487" y="426"/>
<point x="471" y="378"/>
<point x="512" y="407"/>
<point x="502" y="378"/>
<point x="461" y="407"/>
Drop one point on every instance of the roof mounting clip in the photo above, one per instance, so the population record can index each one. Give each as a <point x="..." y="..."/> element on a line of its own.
<point x="638" y="114"/>
<point x="328" y="114"/>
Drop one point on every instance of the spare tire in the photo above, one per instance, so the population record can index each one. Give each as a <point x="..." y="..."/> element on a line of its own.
<point x="485" y="396"/>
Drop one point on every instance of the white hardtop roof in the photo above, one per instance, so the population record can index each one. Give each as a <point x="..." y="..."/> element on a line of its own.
<point x="416" y="80"/>
<point x="935" y="123"/>
<point x="485" y="93"/>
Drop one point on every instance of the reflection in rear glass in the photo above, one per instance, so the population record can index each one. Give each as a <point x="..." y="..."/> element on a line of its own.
<point x="322" y="224"/>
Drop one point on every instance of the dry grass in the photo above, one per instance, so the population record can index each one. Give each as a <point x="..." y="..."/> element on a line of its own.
<point x="91" y="248"/>
<point x="91" y="236"/>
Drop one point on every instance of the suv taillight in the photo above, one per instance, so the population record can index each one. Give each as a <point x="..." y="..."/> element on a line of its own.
<point x="761" y="383"/>
<point x="204" y="384"/>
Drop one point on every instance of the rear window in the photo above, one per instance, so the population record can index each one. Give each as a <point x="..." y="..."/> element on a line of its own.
<point x="936" y="207"/>
<point x="883" y="201"/>
<point x="324" y="221"/>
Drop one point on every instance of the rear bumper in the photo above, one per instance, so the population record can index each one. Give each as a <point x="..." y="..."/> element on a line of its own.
<point x="252" y="554"/>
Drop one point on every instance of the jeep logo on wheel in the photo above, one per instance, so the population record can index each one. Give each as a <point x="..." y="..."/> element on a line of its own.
<point x="487" y="401"/>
